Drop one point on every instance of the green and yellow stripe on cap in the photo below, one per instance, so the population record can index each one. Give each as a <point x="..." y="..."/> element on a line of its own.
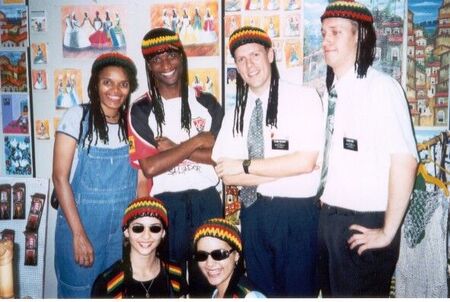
<point x="222" y="229"/>
<point x="160" y="42"/>
<point x="348" y="9"/>
<point x="248" y="34"/>
<point x="142" y="207"/>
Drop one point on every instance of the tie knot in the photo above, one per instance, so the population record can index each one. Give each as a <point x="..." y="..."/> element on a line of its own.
<point x="258" y="102"/>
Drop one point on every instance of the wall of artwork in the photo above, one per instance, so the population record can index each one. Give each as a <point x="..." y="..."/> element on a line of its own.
<point x="47" y="49"/>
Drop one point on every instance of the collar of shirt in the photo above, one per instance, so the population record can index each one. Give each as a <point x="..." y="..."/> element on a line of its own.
<point x="252" y="97"/>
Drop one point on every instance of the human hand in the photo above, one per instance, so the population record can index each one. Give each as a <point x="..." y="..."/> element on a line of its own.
<point x="82" y="250"/>
<point x="164" y="143"/>
<point x="228" y="166"/>
<point x="367" y="239"/>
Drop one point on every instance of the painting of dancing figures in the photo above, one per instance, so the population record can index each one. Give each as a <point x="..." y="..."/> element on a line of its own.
<point x="91" y="30"/>
<point x="68" y="88"/>
<point x="195" y="22"/>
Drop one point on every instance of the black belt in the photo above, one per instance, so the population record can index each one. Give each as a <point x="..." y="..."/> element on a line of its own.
<point x="339" y="211"/>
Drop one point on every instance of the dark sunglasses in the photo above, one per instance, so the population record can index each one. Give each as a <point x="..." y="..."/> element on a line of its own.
<point x="217" y="255"/>
<point x="139" y="228"/>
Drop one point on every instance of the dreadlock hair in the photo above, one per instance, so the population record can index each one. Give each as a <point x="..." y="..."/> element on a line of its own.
<point x="239" y="37"/>
<point x="96" y="119"/>
<point x="155" y="42"/>
<point x="362" y="21"/>
<point x="241" y="100"/>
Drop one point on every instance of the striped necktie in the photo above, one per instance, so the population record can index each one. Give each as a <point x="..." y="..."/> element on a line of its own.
<point x="332" y="97"/>
<point x="255" y="145"/>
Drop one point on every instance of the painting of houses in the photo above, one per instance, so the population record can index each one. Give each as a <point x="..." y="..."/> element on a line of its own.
<point x="13" y="71"/>
<point x="15" y="113"/>
<point x="428" y="58"/>
<point x="13" y="26"/>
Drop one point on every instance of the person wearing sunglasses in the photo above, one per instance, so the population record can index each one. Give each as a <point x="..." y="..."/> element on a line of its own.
<point x="142" y="273"/>
<point x="217" y="250"/>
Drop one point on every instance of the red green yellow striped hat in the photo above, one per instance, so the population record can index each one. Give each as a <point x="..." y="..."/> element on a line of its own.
<point x="348" y="9"/>
<point x="159" y="40"/>
<point x="145" y="207"/>
<point x="222" y="229"/>
<point x="248" y="34"/>
<point x="114" y="59"/>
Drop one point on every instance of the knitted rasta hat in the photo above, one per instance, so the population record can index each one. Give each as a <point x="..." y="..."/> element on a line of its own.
<point x="114" y="59"/>
<point x="159" y="40"/>
<point x="248" y="34"/>
<point x="222" y="229"/>
<point x="348" y="9"/>
<point x="145" y="207"/>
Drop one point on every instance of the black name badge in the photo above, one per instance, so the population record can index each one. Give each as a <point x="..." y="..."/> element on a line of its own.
<point x="350" y="144"/>
<point x="280" y="144"/>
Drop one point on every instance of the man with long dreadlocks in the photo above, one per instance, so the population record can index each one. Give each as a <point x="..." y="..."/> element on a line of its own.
<point x="372" y="159"/>
<point x="172" y="130"/>
<point x="275" y="149"/>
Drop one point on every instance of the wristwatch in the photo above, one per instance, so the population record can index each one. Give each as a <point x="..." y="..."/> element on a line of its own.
<point x="245" y="164"/>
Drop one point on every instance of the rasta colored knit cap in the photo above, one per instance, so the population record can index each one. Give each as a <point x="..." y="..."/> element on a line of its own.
<point x="145" y="207"/>
<point x="348" y="9"/>
<point x="159" y="40"/>
<point x="222" y="229"/>
<point x="248" y="34"/>
<point x="114" y="59"/>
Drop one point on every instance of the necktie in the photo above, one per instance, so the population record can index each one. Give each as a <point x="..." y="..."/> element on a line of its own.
<point x="255" y="145"/>
<point x="332" y="97"/>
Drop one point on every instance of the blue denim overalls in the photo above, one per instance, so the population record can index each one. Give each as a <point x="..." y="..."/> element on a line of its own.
<point x="103" y="185"/>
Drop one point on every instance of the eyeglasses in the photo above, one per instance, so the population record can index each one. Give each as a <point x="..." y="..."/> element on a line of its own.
<point x="139" y="228"/>
<point x="217" y="255"/>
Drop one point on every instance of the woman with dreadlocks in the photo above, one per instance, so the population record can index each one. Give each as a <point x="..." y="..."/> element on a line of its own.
<point x="173" y="129"/>
<point x="92" y="176"/>
<point x="270" y="146"/>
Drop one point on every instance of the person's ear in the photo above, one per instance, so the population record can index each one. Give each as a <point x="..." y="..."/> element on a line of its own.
<point x="163" y="233"/>
<point x="126" y="233"/>
<point x="271" y="54"/>
<point x="236" y="257"/>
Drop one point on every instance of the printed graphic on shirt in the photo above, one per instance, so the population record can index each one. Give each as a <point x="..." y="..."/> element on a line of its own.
<point x="199" y="123"/>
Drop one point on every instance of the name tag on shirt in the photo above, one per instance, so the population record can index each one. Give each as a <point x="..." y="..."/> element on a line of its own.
<point x="280" y="144"/>
<point x="350" y="144"/>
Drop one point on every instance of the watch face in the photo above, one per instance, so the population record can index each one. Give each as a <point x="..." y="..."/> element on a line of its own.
<point x="245" y="164"/>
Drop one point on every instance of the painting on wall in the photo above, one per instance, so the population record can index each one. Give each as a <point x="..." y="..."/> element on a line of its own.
<point x="15" y="20"/>
<point x="13" y="1"/>
<point x="13" y="77"/>
<point x="17" y="155"/>
<point x="68" y="88"/>
<point x="39" y="53"/>
<point x="232" y="5"/>
<point x="42" y="129"/>
<point x="38" y="21"/>
<point x="196" y="23"/>
<point x="428" y="55"/>
<point x="205" y="80"/>
<point x="39" y="79"/>
<point x="293" y="53"/>
<point x="15" y="113"/>
<point x="232" y="22"/>
<point x="88" y="31"/>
